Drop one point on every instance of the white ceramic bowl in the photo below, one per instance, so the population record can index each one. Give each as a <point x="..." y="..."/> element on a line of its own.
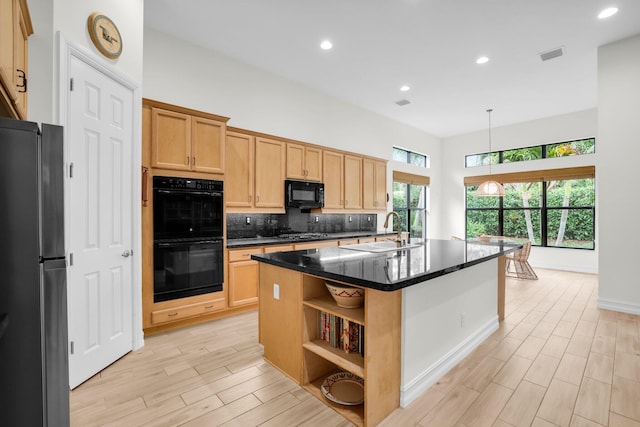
<point x="346" y="296"/>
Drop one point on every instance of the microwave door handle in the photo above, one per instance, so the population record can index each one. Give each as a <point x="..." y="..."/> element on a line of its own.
<point x="290" y="191"/>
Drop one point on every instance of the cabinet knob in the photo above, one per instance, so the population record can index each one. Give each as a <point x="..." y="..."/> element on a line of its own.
<point x="194" y="161"/>
<point x="188" y="160"/>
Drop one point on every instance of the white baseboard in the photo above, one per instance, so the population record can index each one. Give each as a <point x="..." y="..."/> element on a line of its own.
<point x="623" y="307"/>
<point x="417" y="386"/>
<point x="565" y="267"/>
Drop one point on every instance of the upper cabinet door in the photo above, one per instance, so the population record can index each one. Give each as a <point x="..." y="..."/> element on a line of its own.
<point x="170" y="140"/>
<point x="15" y="29"/>
<point x="238" y="185"/>
<point x="207" y="145"/>
<point x="374" y="184"/>
<point x="313" y="162"/>
<point x="352" y="182"/>
<point x="304" y="162"/>
<point x="333" y="173"/>
<point x="296" y="168"/>
<point x="21" y="58"/>
<point x="270" y="171"/>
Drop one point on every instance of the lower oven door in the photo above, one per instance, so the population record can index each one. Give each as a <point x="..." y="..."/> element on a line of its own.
<point x="187" y="268"/>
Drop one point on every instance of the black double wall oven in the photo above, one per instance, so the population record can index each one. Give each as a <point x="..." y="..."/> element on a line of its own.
<point x="188" y="255"/>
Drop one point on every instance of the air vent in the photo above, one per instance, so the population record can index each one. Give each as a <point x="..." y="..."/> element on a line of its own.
<point x="403" y="102"/>
<point x="550" y="54"/>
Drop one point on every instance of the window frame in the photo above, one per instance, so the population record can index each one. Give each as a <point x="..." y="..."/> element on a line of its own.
<point x="544" y="152"/>
<point x="544" y="176"/>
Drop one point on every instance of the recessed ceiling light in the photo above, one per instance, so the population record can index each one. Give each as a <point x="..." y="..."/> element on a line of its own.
<point x="482" y="60"/>
<point x="405" y="88"/>
<point x="610" y="11"/>
<point x="326" y="45"/>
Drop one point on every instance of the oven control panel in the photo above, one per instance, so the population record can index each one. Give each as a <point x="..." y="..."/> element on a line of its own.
<point x="164" y="182"/>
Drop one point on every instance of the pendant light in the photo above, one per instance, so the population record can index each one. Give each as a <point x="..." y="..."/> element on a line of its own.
<point x="490" y="188"/>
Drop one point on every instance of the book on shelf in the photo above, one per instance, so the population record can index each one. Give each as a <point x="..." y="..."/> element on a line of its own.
<point x="340" y="333"/>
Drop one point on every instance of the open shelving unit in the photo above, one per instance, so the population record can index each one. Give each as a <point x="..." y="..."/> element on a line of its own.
<point x="380" y="317"/>
<point x="302" y="355"/>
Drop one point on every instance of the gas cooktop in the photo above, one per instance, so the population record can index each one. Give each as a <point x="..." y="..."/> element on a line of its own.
<point x="301" y="236"/>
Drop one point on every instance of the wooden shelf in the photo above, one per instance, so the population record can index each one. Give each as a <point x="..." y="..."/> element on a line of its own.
<point x="355" y="414"/>
<point x="352" y="362"/>
<point x="328" y="304"/>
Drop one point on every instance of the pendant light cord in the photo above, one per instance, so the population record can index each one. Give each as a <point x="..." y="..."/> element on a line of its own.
<point x="490" y="152"/>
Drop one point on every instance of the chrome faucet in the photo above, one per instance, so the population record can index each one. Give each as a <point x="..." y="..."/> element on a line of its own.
<point x="399" y="242"/>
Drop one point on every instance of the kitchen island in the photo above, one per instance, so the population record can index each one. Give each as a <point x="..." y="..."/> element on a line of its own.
<point x="426" y="306"/>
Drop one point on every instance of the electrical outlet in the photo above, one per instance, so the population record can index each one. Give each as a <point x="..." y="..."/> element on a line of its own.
<point x="317" y="218"/>
<point x="350" y="218"/>
<point x="276" y="291"/>
<point x="368" y="219"/>
<point x="462" y="319"/>
<point x="248" y="220"/>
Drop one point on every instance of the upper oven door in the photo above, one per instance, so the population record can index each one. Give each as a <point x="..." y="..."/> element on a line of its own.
<point x="182" y="213"/>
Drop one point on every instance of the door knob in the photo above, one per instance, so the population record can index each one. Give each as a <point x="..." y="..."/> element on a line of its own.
<point x="127" y="253"/>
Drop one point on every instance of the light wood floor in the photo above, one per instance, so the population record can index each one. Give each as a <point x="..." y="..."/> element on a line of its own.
<point x="556" y="360"/>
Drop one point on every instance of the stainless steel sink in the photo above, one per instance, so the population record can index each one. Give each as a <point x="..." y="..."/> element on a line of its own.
<point x="377" y="247"/>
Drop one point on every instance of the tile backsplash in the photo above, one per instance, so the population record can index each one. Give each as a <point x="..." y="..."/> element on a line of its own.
<point x="295" y="221"/>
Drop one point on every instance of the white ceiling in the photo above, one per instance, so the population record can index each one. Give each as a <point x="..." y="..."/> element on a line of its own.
<point x="430" y="45"/>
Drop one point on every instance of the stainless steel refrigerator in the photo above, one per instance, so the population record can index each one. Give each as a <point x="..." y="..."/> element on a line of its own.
<point x="34" y="373"/>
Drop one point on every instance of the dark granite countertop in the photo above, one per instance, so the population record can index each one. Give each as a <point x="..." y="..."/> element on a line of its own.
<point x="389" y="271"/>
<point x="265" y="241"/>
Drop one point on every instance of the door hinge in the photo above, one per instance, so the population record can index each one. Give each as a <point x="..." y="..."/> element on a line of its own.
<point x="71" y="170"/>
<point x="71" y="84"/>
<point x="71" y="347"/>
<point x="70" y="259"/>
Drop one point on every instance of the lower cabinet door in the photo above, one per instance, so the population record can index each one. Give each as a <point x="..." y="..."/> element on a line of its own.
<point x="243" y="283"/>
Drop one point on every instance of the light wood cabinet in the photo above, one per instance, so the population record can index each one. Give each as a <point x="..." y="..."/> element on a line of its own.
<point x="269" y="173"/>
<point x="342" y="181"/>
<point x="180" y="141"/>
<point x="374" y="184"/>
<point x="167" y="315"/>
<point x="333" y="173"/>
<point x="239" y="174"/>
<point x="304" y="162"/>
<point x="243" y="276"/>
<point x="307" y="359"/>
<point x="15" y="29"/>
<point x="352" y="182"/>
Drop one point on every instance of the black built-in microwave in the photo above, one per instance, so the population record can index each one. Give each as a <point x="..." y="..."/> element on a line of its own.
<point x="304" y="194"/>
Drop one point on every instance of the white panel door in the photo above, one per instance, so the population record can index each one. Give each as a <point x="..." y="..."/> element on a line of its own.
<point x="100" y="139"/>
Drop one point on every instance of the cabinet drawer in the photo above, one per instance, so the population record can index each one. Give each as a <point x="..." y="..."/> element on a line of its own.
<point x="348" y="242"/>
<point x="184" y="311"/>
<point x="243" y="254"/>
<point x="278" y="248"/>
<point x="366" y="240"/>
<point x="315" y="245"/>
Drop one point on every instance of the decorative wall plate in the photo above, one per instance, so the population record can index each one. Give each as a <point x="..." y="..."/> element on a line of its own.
<point x="105" y="35"/>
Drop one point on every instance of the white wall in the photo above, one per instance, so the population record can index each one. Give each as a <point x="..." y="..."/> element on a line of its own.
<point x="443" y="320"/>
<point x="70" y="18"/>
<point x="187" y="75"/>
<point x="619" y="138"/>
<point x="566" y="127"/>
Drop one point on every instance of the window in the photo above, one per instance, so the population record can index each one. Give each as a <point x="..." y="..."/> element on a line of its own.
<point x="554" y="208"/>
<point x="409" y="201"/>
<point x="561" y="149"/>
<point x="406" y="156"/>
